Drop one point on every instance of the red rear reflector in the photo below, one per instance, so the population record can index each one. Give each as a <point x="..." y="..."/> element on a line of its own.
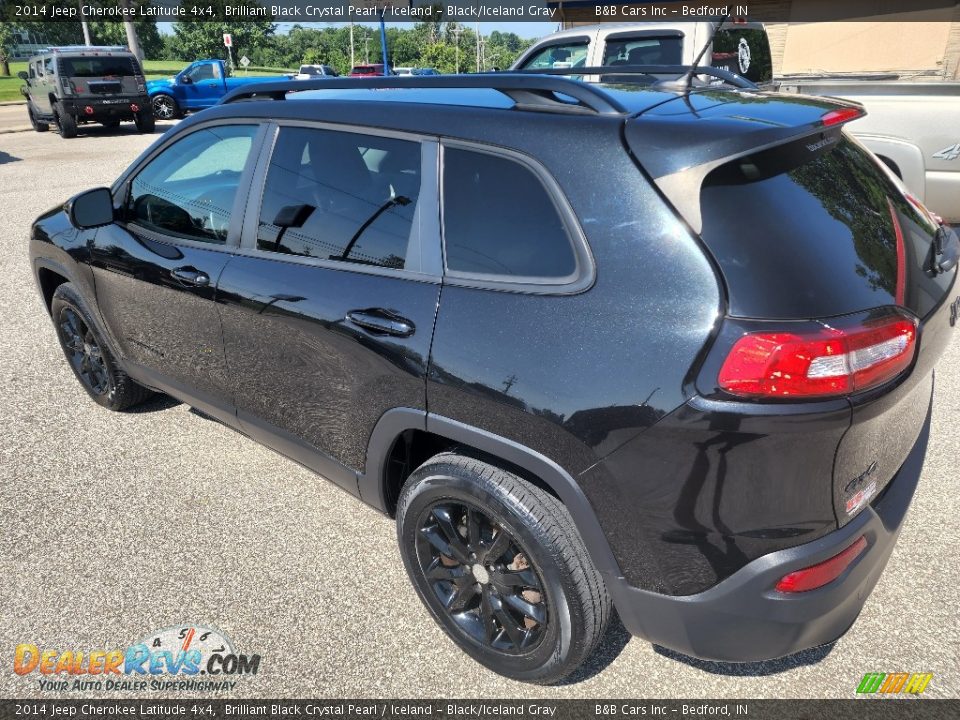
<point x="841" y="115"/>
<point x="821" y="363"/>
<point x="134" y="107"/>
<point x="816" y="576"/>
<point x="88" y="110"/>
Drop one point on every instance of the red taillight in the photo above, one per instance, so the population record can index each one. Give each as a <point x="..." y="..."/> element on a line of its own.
<point x="816" y="576"/>
<point x="822" y="363"/>
<point x="841" y="115"/>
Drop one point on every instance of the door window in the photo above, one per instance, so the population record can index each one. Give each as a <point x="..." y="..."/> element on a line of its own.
<point x="188" y="190"/>
<point x="202" y="72"/>
<point x="569" y="54"/>
<point x="499" y="219"/>
<point x="341" y="196"/>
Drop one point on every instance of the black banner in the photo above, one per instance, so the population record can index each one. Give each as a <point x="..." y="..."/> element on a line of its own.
<point x="468" y="11"/>
<point x="861" y="709"/>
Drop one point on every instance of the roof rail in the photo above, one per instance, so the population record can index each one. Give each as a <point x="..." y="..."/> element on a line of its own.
<point x="529" y="91"/>
<point x="88" y="48"/>
<point x="651" y="71"/>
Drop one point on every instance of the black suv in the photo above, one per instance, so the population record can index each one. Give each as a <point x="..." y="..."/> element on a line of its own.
<point x="71" y="86"/>
<point x="649" y="347"/>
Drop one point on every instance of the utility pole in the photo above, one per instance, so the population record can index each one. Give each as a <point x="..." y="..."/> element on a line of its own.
<point x="366" y="49"/>
<point x="352" y="60"/>
<point x="133" y="42"/>
<point x="456" y="37"/>
<point x="86" y="28"/>
<point x="478" y="46"/>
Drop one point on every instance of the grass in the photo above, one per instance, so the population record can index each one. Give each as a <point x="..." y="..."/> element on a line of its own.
<point x="153" y="69"/>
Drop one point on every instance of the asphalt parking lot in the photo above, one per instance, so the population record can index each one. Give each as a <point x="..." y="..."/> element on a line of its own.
<point x="115" y="525"/>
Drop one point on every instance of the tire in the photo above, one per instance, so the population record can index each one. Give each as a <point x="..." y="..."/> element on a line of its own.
<point x="146" y="123"/>
<point x="165" y="108"/>
<point x="517" y="591"/>
<point x="87" y="353"/>
<point x="111" y="124"/>
<point x="66" y="122"/>
<point x="36" y="124"/>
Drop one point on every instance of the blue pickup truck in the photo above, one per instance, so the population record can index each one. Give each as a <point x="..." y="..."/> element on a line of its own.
<point x="199" y="85"/>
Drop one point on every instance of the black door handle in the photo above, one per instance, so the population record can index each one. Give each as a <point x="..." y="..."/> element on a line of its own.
<point x="191" y="276"/>
<point x="383" y="322"/>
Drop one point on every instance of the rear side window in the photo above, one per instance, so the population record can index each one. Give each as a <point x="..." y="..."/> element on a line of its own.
<point x="632" y="50"/>
<point x="340" y="196"/>
<point x="499" y="219"/>
<point x="188" y="190"/>
<point x="571" y="53"/>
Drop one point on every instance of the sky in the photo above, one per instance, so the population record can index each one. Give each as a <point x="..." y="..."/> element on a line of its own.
<point x="523" y="29"/>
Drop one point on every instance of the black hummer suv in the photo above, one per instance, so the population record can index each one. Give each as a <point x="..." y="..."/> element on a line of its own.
<point x="649" y="346"/>
<point x="69" y="86"/>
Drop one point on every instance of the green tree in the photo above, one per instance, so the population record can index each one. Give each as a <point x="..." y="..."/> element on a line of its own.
<point x="196" y="40"/>
<point x="6" y="46"/>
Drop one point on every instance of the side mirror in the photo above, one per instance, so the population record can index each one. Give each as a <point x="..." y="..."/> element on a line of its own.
<point x="23" y="75"/>
<point x="90" y="209"/>
<point x="186" y="80"/>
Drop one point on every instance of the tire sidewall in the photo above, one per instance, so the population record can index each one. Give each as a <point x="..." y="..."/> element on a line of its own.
<point x="66" y="297"/>
<point x="428" y="486"/>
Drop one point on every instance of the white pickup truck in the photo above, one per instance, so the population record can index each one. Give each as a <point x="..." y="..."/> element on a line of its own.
<point x="911" y="125"/>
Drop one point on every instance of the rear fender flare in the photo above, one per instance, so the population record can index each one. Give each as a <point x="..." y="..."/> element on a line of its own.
<point x="394" y="422"/>
<point x="905" y="155"/>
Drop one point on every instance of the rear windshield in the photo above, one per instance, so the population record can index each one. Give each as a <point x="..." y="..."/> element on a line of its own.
<point x="98" y="67"/>
<point x="807" y="230"/>
<point x="630" y="50"/>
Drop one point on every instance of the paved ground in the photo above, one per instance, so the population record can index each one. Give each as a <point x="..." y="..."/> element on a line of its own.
<point x="13" y="117"/>
<point x="115" y="525"/>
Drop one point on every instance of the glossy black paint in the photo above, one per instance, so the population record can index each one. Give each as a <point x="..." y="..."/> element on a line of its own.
<point x="603" y="394"/>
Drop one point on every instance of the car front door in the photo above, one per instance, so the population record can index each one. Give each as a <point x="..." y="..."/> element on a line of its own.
<point x="328" y="309"/>
<point x="156" y="268"/>
<point x="205" y="86"/>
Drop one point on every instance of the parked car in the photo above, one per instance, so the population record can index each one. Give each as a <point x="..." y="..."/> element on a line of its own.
<point x="312" y="72"/>
<point x="74" y="85"/>
<point x="669" y="351"/>
<point x="910" y="124"/>
<point x="367" y="70"/>
<point x="200" y="85"/>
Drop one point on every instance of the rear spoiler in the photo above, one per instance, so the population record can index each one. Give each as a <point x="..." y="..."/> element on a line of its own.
<point x="722" y="127"/>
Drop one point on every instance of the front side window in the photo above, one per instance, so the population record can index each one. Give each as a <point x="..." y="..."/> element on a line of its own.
<point x="188" y="190"/>
<point x="572" y="53"/>
<point x="202" y="72"/>
<point x="499" y="219"/>
<point x="48" y="66"/>
<point x="340" y="196"/>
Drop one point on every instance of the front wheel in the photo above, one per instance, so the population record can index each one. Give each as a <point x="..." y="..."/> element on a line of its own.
<point x="165" y="108"/>
<point x="501" y="567"/>
<point x="34" y="123"/>
<point x="89" y="356"/>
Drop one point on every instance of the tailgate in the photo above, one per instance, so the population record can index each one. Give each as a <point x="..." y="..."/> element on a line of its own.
<point x="805" y="224"/>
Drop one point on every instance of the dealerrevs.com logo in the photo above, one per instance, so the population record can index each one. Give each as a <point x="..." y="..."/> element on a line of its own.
<point x="894" y="683"/>
<point x="184" y="657"/>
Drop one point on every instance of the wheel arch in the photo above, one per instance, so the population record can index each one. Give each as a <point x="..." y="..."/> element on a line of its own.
<point x="394" y="426"/>
<point x="50" y="275"/>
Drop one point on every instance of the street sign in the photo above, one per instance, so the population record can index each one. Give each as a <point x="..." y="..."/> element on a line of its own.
<point x="245" y="61"/>
<point x="228" y="40"/>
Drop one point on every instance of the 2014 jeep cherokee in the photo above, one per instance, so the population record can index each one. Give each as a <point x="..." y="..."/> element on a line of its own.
<point x="663" y="349"/>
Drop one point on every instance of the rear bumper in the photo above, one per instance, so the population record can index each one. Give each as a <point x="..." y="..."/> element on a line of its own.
<point x="743" y="619"/>
<point x="107" y="109"/>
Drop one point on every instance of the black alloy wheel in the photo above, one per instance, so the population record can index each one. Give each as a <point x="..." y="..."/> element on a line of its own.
<point x="164" y="107"/>
<point x="482" y="577"/>
<point x="83" y="352"/>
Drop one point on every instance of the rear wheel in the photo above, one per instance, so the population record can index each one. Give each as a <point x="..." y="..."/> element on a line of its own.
<point x="88" y="354"/>
<point x="145" y="122"/>
<point x="165" y="108"/>
<point x="500" y="566"/>
<point x="36" y="124"/>
<point x="65" y="122"/>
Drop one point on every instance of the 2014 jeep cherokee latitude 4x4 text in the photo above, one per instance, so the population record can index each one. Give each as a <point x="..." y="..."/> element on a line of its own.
<point x="638" y="346"/>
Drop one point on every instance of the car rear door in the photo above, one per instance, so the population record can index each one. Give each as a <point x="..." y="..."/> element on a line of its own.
<point x="156" y="269"/>
<point x="328" y="309"/>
